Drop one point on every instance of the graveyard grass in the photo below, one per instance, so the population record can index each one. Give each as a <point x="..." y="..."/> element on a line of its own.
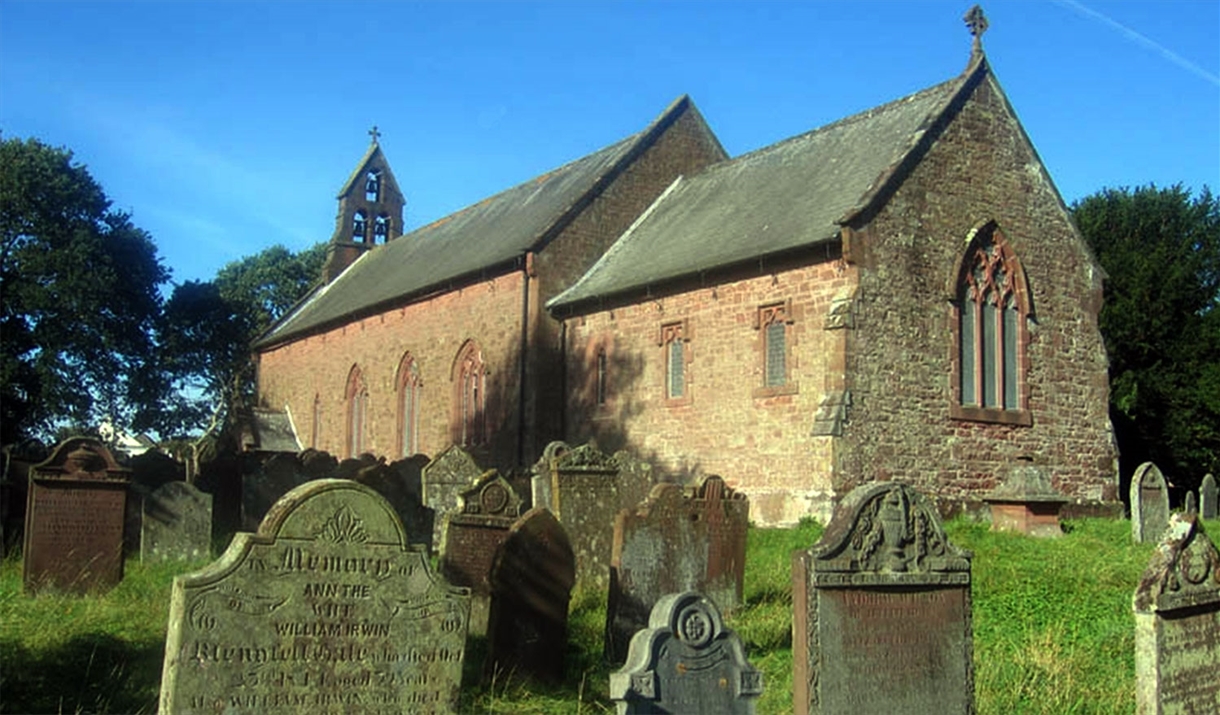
<point x="1053" y="631"/>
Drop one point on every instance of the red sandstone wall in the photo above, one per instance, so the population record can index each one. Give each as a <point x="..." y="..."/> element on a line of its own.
<point x="761" y="445"/>
<point x="433" y="330"/>
<point x="901" y="353"/>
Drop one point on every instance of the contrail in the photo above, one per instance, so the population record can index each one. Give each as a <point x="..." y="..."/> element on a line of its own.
<point x="1144" y="41"/>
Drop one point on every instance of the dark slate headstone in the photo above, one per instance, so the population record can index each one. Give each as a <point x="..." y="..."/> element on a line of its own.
<point x="447" y="476"/>
<point x="176" y="523"/>
<point x="473" y="535"/>
<point x="74" y="519"/>
<point x="278" y="475"/>
<point x="582" y="486"/>
<point x="1177" y="624"/>
<point x="1207" y="497"/>
<point x="677" y="540"/>
<point x="1149" y="504"/>
<point x="881" y="620"/>
<point x="686" y="661"/>
<point x="327" y="609"/>
<point x="418" y="519"/>
<point x="531" y="582"/>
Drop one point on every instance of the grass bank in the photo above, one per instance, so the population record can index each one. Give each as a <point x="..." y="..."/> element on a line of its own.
<point x="1053" y="632"/>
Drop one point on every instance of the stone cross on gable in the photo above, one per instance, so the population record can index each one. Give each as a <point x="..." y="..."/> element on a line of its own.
<point x="375" y="134"/>
<point x="976" y="22"/>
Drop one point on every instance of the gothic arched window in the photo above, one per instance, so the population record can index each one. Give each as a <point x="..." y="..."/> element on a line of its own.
<point x="359" y="227"/>
<point x="991" y="309"/>
<point x="409" y="386"/>
<point x="357" y="399"/>
<point x="381" y="229"/>
<point x="470" y="396"/>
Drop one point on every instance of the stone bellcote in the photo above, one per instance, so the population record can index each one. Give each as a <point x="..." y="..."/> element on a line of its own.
<point x="370" y="211"/>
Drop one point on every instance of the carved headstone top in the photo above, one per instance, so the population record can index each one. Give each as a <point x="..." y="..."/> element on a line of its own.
<point x="1184" y="571"/>
<point x="585" y="458"/>
<point x="1025" y="482"/>
<point x="491" y="496"/>
<point x="686" y="661"/>
<point x="80" y="458"/>
<point x="887" y="532"/>
<point x="454" y="465"/>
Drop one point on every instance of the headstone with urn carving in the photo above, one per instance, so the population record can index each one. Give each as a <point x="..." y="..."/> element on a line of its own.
<point x="881" y="604"/>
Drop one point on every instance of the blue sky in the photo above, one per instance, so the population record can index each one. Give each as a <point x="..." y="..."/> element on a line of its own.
<point x="227" y="127"/>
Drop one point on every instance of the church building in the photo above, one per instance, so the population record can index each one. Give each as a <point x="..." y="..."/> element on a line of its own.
<point x="900" y="294"/>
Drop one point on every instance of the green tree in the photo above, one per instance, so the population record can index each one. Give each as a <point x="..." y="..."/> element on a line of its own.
<point x="1161" y="323"/>
<point x="208" y="328"/>
<point x="78" y="299"/>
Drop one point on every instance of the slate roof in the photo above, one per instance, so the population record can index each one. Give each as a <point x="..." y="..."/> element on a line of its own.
<point x="271" y="431"/>
<point x="792" y="194"/>
<point x="488" y="234"/>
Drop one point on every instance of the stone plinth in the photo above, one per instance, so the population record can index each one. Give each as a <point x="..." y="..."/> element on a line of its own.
<point x="74" y="519"/>
<point x="881" y="620"/>
<point x="327" y="609"/>
<point x="1026" y="503"/>
<point x="1177" y="624"/>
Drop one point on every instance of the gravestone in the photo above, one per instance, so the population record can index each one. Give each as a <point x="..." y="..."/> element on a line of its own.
<point x="74" y="519"/>
<point x="1026" y="503"/>
<point x="176" y="523"/>
<point x="447" y="476"/>
<point x="1177" y="624"/>
<point x="473" y="535"/>
<point x="279" y="474"/>
<point x="677" y="540"/>
<point x="531" y="581"/>
<point x="1149" y="504"/>
<point x="581" y="485"/>
<point x="327" y="609"/>
<point x="881" y="605"/>
<point x="686" y="661"/>
<point x="419" y="520"/>
<point x="1207" y="497"/>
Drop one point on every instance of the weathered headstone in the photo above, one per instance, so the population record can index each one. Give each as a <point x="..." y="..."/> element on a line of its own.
<point x="419" y="520"/>
<point x="582" y="487"/>
<point x="474" y="533"/>
<point x="1026" y="502"/>
<point x="686" y="661"/>
<point x="447" y="476"/>
<point x="677" y="540"/>
<point x="1149" y="504"/>
<point x="279" y="474"/>
<point x="1207" y="497"/>
<point x="881" y="604"/>
<point x="531" y="581"/>
<point x="1177" y="624"/>
<point x="74" y="519"/>
<point x="327" y="609"/>
<point x="176" y="523"/>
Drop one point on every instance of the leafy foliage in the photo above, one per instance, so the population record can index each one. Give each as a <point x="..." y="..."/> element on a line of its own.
<point x="78" y="299"/>
<point x="208" y="328"/>
<point x="1161" y="323"/>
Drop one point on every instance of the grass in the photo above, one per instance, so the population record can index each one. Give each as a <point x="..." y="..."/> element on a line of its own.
<point x="1053" y="632"/>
